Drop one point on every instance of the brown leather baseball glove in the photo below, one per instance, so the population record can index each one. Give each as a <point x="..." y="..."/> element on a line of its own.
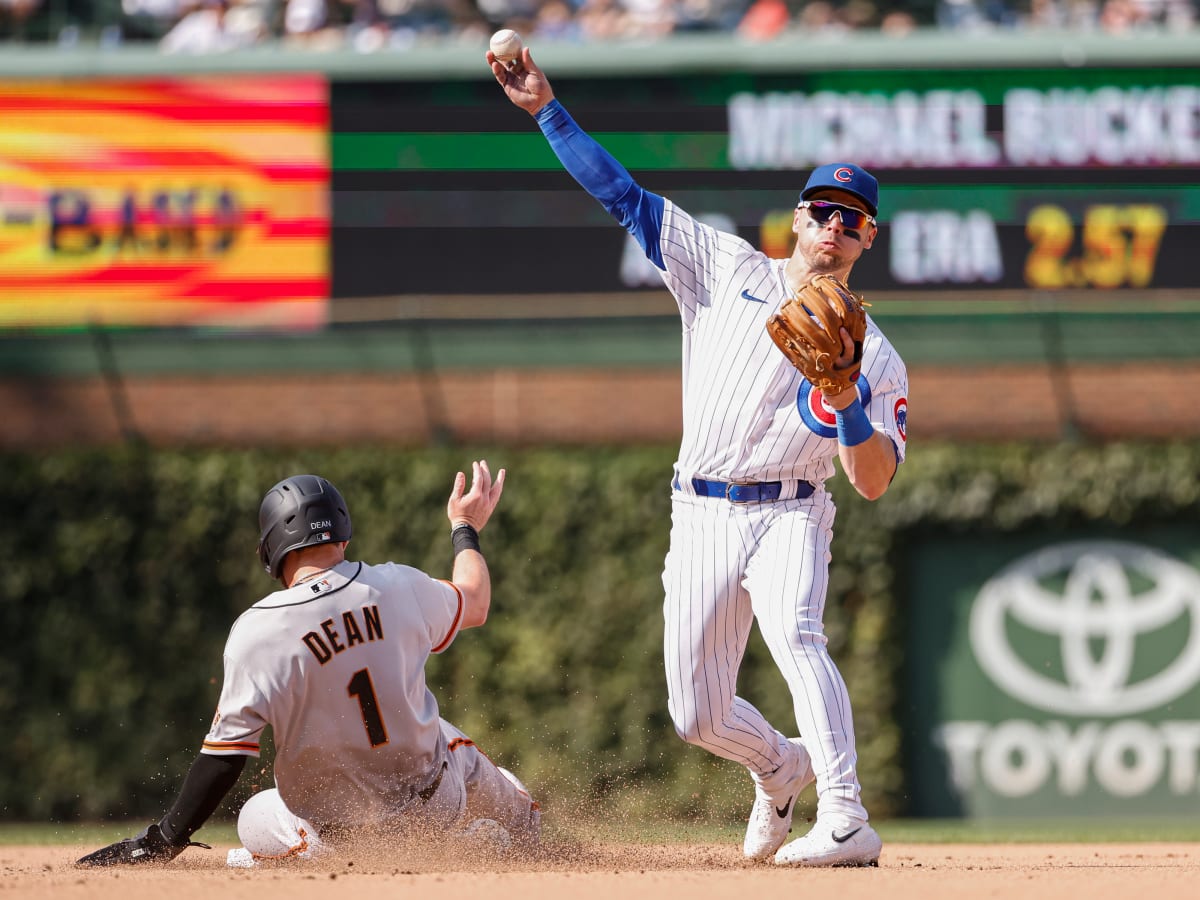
<point x="806" y="329"/>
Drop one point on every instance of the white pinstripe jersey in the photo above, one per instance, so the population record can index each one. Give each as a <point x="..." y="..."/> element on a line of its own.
<point x="748" y="414"/>
<point x="336" y="667"/>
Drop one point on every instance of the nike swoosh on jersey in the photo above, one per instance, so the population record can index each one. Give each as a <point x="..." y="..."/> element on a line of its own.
<point x="842" y="838"/>
<point x="783" y="811"/>
<point x="746" y="295"/>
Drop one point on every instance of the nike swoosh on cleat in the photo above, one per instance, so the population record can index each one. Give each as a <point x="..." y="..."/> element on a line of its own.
<point x="746" y="295"/>
<point x="782" y="813"/>
<point x="842" y="838"/>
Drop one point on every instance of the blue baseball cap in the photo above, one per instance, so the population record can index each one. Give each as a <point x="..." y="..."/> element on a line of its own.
<point x="845" y="177"/>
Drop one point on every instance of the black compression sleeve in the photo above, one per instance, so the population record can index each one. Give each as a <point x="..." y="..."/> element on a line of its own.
<point x="207" y="783"/>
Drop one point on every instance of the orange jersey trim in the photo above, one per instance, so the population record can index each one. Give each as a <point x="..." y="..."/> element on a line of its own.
<point x="290" y="852"/>
<point x="231" y="746"/>
<point x="458" y="617"/>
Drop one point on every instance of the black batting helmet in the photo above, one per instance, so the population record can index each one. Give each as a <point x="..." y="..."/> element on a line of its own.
<point x="300" y="511"/>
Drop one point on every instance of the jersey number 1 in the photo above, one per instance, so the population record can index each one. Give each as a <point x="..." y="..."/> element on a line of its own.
<point x="361" y="688"/>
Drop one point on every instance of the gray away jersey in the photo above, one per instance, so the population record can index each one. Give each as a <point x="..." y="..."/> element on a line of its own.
<point x="336" y="667"/>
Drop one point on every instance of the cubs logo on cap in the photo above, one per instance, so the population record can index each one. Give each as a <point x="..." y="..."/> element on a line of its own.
<point x="845" y="177"/>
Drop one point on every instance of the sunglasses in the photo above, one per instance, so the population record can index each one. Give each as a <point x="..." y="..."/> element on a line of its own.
<point x="822" y="211"/>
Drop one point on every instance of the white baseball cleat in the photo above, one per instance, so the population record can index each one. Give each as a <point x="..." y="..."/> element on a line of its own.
<point x="771" y="814"/>
<point x="833" y="845"/>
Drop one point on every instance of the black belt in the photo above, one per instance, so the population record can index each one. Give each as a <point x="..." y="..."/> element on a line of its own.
<point x="427" y="792"/>
<point x="757" y="492"/>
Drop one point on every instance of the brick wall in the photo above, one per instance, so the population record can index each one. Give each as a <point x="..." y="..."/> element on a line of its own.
<point x="531" y="406"/>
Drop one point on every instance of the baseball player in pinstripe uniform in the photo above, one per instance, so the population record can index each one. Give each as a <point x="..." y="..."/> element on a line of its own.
<point x="334" y="663"/>
<point x="751" y="520"/>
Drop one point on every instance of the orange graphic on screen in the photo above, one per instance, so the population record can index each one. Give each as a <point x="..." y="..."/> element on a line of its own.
<point x="198" y="201"/>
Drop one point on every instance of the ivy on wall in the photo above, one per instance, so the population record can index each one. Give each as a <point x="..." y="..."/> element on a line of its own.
<point x="123" y="571"/>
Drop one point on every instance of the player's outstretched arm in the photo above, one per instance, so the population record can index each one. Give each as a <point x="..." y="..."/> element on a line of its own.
<point x="468" y="512"/>
<point x="597" y="171"/>
<point x="146" y="846"/>
<point x="525" y="84"/>
<point x="207" y="783"/>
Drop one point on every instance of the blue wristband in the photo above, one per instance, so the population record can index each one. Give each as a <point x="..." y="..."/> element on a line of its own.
<point x="853" y="426"/>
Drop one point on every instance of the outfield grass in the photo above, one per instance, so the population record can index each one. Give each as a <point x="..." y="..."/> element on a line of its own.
<point x="900" y="831"/>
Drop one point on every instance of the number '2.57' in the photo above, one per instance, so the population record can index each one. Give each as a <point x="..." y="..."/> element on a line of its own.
<point x="1119" y="246"/>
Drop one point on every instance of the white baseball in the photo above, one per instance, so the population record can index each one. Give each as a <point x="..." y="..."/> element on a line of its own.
<point x="506" y="45"/>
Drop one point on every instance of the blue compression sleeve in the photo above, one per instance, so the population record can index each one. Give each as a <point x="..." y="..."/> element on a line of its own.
<point x="853" y="426"/>
<point x="640" y="211"/>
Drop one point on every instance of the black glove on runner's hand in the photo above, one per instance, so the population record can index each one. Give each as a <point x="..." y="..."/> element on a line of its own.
<point x="148" y="846"/>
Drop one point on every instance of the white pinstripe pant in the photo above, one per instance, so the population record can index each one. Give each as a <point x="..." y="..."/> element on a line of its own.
<point x="729" y="564"/>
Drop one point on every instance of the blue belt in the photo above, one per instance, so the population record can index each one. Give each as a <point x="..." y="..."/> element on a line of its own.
<point x="759" y="492"/>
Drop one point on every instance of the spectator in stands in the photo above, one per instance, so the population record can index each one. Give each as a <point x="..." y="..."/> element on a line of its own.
<point x="516" y="14"/>
<point x="411" y="21"/>
<point x="469" y="26"/>
<point x="304" y="21"/>
<point x="764" y="20"/>
<point x="975" y="15"/>
<point x="204" y="26"/>
<point x="651" y="19"/>
<point x="1176" y="15"/>
<point x="556" y="22"/>
<point x="209" y="28"/>
<point x="820" y="16"/>
<point x="151" y="19"/>
<point x="897" y="23"/>
<point x="709" y="15"/>
<point x="15" y="13"/>
<point x="603" y="20"/>
<point x="1121" y="16"/>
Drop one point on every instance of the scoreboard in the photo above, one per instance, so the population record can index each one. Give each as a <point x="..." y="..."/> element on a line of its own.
<point x="990" y="179"/>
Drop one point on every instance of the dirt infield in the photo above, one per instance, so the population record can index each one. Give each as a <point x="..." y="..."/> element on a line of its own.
<point x="642" y="872"/>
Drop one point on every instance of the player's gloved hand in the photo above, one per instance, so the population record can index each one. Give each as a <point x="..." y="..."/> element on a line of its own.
<point x="150" y="845"/>
<point x="808" y="329"/>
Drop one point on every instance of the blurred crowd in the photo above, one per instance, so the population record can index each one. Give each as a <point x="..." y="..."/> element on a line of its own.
<point x="209" y="26"/>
